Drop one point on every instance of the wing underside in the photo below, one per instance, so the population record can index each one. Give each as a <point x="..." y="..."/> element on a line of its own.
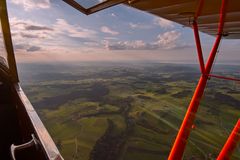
<point x="184" y="11"/>
<point x="180" y="11"/>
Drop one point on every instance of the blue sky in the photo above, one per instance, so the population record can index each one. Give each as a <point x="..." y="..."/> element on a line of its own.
<point x="50" y="30"/>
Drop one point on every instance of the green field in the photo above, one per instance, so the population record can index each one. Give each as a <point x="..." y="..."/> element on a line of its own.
<point x="130" y="111"/>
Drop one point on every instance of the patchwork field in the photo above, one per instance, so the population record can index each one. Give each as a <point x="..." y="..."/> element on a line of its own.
<point x="130" y="111"/>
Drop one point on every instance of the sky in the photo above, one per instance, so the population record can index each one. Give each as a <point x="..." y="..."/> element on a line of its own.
<point x="52" y="31"/>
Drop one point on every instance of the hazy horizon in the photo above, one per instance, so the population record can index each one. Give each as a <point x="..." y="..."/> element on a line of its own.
<point x="47" y="31"/>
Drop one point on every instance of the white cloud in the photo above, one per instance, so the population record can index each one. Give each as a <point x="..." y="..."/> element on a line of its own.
<point x="113" y="15"/>
<point x="22" y="29"/>
<point x="130" y="45"/>
<point x="76" y="31"/>
<point x="168" y="40"/>
<point x="138" y="44"/>
<point x="31" y="29"/>
<point x="139" y="26"/>
<point x="132" y="25"/>
<point x="106" y="29"/>
<point x="30" y="36"/>
<point x="32" y="4"/>
<point x="110" y="38"/>
<point x="163" y="23"/>
<point x="27" y="35"/>
<point x="101" y="1"/>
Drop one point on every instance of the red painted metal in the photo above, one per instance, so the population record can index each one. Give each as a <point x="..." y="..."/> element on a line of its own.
<point x="199" y="9"/>
<point x="222" y="77"/>
<point x="231" y="143"/>
<point x="185" y="129"/>
<point x="197" y="37"/>
<point x="199" y="48"/>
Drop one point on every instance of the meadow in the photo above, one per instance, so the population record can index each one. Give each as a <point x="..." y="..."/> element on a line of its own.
<point x="122" y="111"/>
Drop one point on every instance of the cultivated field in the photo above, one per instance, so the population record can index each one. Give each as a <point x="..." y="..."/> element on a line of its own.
<point x="130" y="112"/>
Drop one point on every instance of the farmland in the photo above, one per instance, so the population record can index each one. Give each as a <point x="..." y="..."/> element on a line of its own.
<point x="120" y="111"/>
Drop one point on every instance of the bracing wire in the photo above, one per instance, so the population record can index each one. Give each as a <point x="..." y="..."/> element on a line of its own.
<point x="216" y="58"/>
<point x="213" y="66"/>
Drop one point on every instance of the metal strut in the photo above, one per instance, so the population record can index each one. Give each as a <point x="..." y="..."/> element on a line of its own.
<point x="185" y="129"/>
<point x="197" y="37"/>
<point x="231" y="143"/>
<point x="198" y="45"/>
<point x="222" y="77"/>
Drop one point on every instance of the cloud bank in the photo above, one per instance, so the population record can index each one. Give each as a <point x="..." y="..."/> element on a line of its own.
<point x="32" y="4"/>
<point x="106" y="29"/>
<point x="167" y="40"/>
